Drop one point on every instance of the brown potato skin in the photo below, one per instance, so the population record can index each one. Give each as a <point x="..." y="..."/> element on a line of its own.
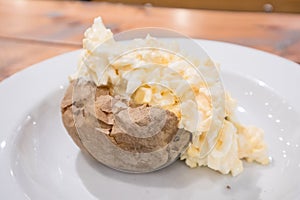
<point x="67" y="115"/>
<point x="107" y="135"/>
<point x="116" y="136"/>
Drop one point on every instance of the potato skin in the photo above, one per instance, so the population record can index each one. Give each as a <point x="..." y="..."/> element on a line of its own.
<point x="102" y="131"/>
<point x="67" y="115"/>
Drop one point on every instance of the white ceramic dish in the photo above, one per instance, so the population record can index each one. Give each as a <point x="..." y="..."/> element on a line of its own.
<point x="38" y="160"/>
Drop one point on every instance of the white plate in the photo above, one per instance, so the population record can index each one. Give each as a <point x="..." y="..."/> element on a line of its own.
<point x="38" y="160"/>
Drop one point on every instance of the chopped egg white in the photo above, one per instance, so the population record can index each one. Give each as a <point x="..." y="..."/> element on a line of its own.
<point x="158" y="76"/>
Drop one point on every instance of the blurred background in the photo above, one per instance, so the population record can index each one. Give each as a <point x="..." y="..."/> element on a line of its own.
<point x="41" y="29"/>
<point x="292" y="6"/>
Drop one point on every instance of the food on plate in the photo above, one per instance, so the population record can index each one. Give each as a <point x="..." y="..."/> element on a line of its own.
<point x="138" y="106"/>
<point x="99" y="122"/>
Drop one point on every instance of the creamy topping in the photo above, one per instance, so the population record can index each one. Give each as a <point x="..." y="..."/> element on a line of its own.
<point x="148" y="71"/>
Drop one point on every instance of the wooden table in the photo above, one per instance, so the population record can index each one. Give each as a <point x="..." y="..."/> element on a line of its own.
<point x="31" y="31"/>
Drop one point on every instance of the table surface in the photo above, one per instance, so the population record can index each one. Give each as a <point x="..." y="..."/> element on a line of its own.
<point x="32" y="31"/>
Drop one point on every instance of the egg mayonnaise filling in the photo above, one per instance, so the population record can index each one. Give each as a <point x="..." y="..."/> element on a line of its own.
<point x="159" y="78"/>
